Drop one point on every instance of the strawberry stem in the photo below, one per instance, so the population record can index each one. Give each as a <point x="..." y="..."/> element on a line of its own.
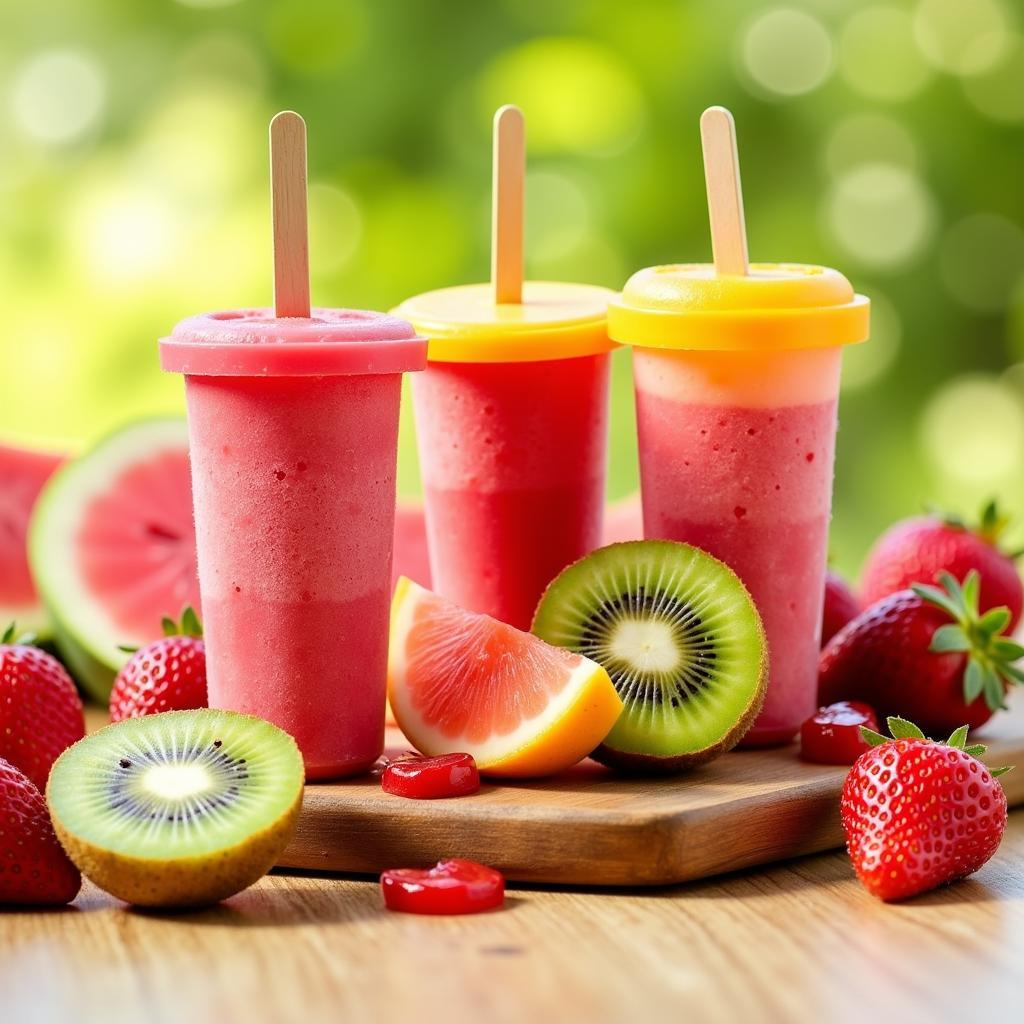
<point x="990" y="655"/>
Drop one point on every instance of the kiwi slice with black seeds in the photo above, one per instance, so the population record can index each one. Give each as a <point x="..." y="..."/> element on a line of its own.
<point x="682" y="640"/>
<point x="179" y="809"/>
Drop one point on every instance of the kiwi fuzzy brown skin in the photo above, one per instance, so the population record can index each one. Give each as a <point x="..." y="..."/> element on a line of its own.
<point x="185" y="881"/>
<point x="630" y="762"/>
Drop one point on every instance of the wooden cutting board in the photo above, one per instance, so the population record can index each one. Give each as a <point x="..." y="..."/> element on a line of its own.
<point x="591" y="827"/>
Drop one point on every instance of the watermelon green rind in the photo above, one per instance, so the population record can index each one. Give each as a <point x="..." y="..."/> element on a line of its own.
<point x="86" y="639"/>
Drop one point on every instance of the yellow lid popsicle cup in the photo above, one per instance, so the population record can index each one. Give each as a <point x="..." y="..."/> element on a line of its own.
<point x="736" y="369"/>
<point x="511" y="416"/>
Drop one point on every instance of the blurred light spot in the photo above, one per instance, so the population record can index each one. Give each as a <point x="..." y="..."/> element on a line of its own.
<point x="201" y="146"/>
<point x="865" y="364"/>
<point x="973" y="429"/>
<point x="58" y="96"/>
<point x="787" y="52"/>
<point x="316" y="37"/>
<point x="123" y="233"/>
<point x="998" y="92"/>
<point x="981" y="258"/>
<point x="589" y="257"/>
<point x="224" y="56"/>
<point x="869" y="139"/>
<point x="881" y="214"/>
<point x="964" y="37"/>
<point x="335" y="229"/>
<point x="557" y="214"/>
<point x="878" y="56"/>
<point x="576" y="94"/>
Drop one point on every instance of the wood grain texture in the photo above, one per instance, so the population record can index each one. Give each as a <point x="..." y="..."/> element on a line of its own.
<point x="725" y="193"/>
<point x="592" y="827"/>
<point x="290" y="218"/>
<point x="509" y="171"/>
<point x="797" y="944"/>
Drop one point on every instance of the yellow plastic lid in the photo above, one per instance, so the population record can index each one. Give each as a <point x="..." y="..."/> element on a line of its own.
<point x="775" y="306"/>
<point x="554" y="321"/>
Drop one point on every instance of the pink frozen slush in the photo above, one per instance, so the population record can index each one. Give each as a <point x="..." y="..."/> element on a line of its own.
<point x="511" y="422"/>
<point x="293" y="427"/>
<point x="737" y="382"/>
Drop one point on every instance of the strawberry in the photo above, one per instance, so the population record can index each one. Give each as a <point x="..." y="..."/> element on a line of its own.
<point x="917" y="550"/>
<point x="841" y="605"/>
<point x="166" y="675"/>
<point x="924" y="654"/>
<point x="919" y="814"/>
<point x="40" y="710"/>
<point x="33" y="866"/>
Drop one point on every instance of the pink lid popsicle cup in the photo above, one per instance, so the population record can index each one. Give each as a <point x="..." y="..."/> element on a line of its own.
<point x="736" y="369"/>
<point x="293" y="427"/>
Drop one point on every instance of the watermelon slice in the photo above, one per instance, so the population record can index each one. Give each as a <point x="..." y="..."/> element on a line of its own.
<point x="22" y="475"/>
<point x="112" y="547"/>
<point x="410" y="544"/>
<point x="623" y="520"/>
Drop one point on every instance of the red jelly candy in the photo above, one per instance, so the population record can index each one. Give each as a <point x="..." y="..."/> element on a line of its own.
<point x="451" y="887"/>
<point x="427" y="778"/>
<point x="832" y="735"/>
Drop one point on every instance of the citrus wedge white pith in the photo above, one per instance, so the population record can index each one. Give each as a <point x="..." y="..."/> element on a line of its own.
<point x="465" y="682"/>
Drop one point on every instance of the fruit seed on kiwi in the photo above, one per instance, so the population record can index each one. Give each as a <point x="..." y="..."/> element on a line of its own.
<point x="682" y="640"/>
<point x="183" y="808"/>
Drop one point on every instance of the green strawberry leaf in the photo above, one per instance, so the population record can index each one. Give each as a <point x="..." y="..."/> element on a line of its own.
<point x="975" y="749"/>
<point x="127" y="648"/>
<point x="950" y="637"/>
<point x="958" y="738"/>
<point x="169" y="626"/>
<point x="872" y="738"/>
<point x="190" y="625"/>
<point x="974" y="681"/>
<point x="1007" y="650"/>
<point x="938" y="598"/>
<point x="9" y="635"/>
<point x="994" y="690"/>
<point x="1013" y="674"/>
<point x="995" y="620"/>
<point x="901" y="729"/>
<point x="971" y="592"/>
<point x="996" y="772"/>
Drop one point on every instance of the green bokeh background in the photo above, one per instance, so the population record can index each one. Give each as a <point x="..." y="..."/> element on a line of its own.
<point x="884" y="139"/>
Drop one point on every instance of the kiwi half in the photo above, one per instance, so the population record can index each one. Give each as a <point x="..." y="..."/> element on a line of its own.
<point x="681" y="639"/>
<point x="180" y="809"/>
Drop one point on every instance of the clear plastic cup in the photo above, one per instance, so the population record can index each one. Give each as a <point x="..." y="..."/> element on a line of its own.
<point x="737" y="382"/>
<point x="293" y="427"/>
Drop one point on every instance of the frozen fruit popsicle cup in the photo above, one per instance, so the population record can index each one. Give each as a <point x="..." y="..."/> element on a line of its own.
<point x="736" y="370"/>
<point x="511" y="417"/>
<point x="293" y="426"/>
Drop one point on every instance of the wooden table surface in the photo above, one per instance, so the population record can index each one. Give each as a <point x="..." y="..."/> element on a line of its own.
<point x="794" y="943"/>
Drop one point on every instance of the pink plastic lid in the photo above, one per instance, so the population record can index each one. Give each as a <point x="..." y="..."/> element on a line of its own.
<point x="255" y="343"/>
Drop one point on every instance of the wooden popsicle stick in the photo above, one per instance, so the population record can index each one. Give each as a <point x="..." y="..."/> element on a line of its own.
<point x="725" y="195"/>
<point x="507" y="205"/>
<point x="288" y="203"/>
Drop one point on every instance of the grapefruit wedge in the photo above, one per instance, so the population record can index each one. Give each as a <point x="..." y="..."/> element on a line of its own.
<point x="22" y="475"/>
<point x="459" y="681"/>
<point x="113" y="549"/>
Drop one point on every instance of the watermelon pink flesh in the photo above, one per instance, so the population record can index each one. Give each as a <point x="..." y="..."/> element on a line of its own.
<point x="410" y="544"/>
<point x="22" y="475"/>
<point x="137" y="546"/>
<point x="623" y="520"/>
